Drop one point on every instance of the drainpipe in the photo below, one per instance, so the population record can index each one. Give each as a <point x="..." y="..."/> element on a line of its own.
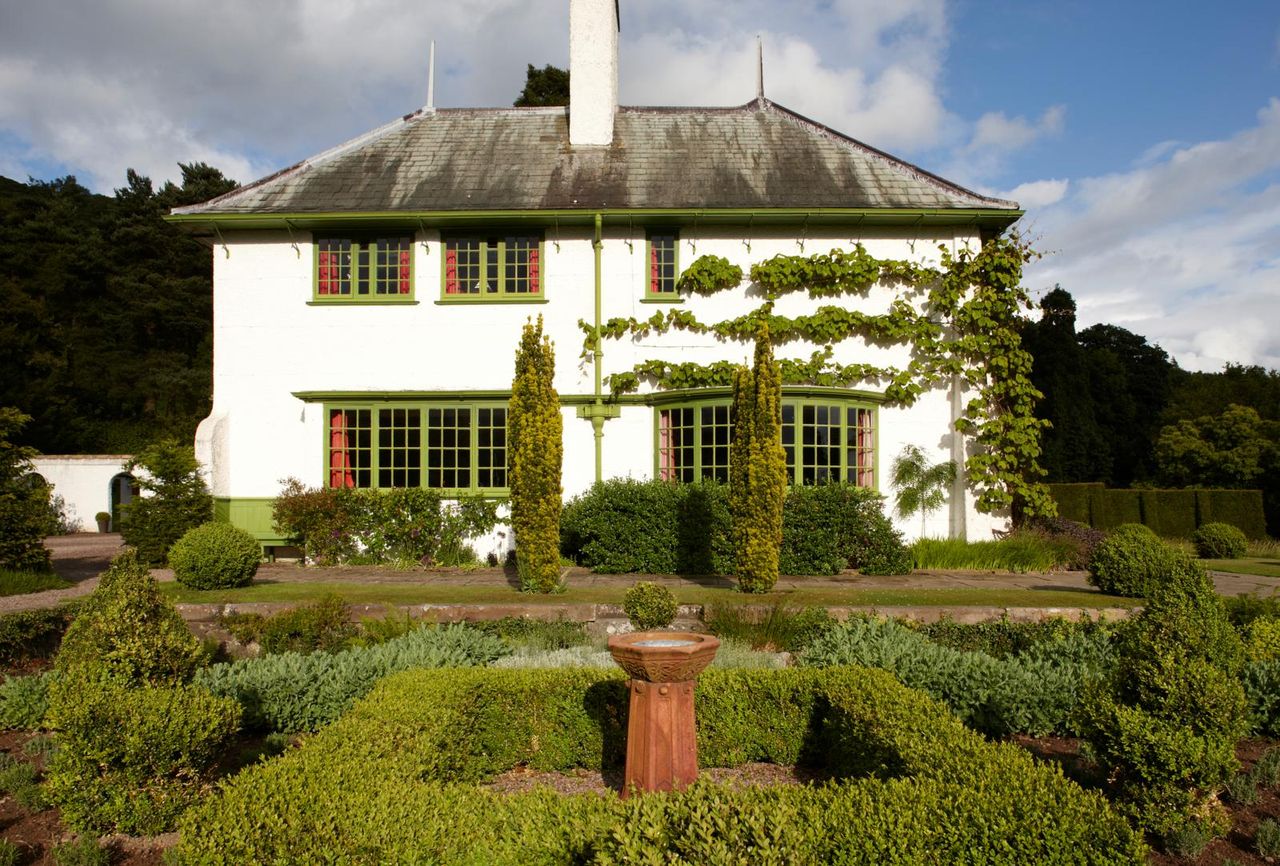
<point x="598" y="416"/>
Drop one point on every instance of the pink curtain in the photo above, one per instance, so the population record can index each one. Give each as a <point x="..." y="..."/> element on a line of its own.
<point x="404" y="272"/>
<point x="655" y="284"/>
<point x="535" y="285"/>
<point x="866" y="449"/>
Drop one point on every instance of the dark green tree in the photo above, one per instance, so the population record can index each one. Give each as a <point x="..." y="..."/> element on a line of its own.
<point x="1196" y="395"/>
<point x="546" y="86"/>
<point x="174" y="499"/>
<point x="24" y="501"/>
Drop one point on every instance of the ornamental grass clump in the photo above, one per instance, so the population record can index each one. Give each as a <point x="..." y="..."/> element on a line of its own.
<point x="215" y="556"/>
<point x="649" y="605"/>
<point x="1165" y="723"/>
<point x="757" y="469"/>
<point x="1219" y="541"/>
<point x="534" y="454"/>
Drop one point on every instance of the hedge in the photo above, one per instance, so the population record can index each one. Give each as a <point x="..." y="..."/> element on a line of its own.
<point x="1073" y="500"/>
<point x="1170" y="513"/>
<point x="1240" y="508"/>
<point x="1112" y="508"/>
<point x="383" y="784"/>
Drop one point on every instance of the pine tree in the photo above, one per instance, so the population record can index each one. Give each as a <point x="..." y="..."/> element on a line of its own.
<point x="535" y="451"/>
<point x="757" y="469"/>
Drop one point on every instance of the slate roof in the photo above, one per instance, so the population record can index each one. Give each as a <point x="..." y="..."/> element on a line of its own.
<point x="759" y="155"/>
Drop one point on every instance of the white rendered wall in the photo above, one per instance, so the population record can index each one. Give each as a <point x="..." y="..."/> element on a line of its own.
<point x="83" y="482"/>
<point x="269" y="342"/>
<point x="593" y="72"/>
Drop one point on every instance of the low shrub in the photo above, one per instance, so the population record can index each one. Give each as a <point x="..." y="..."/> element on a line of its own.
<point x="20" y="780"/>
<point x="321" y="626"/>
<point x="782" y="627"/>
<point x="1267" y="768"/>
<point x="1261" y="639"/>
<point x="1131" y="561"/>
<point x="33" y="635"/>
<point x="24" y="701"/>
<point x="81" y="851"/>
<point x="535" y="634"/>
<point x="291" y="692"/>
<point x="215" y="556"/>
<point x="140" y="782"/>
<point x="1219" y="541"/>
<point x="1033" y="693"/>
<point x="1245" y="608"/>
<point x="649" y="605"/>
<point x="382" y="784"/>
<point x="1189" y="840"/>
<point x="1267" y="838"/>
<point x="401" y="525"/>
<point x="1003" y="638"/>
<point x="830" y="527"/>
<point x="1243" y="789"/>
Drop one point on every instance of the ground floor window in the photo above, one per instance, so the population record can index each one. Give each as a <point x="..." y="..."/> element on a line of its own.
<point x="825" y="439"/>
<point x="456" y="447"/>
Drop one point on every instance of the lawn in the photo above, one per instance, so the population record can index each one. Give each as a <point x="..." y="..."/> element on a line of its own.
<point x="1265" y="566"/>
<point x="409" y="593"/>
<point x="23" y="582"/>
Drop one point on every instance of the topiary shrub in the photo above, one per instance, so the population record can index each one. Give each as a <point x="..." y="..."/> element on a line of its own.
<point x="174" y="499"/>
<point x="1164" y="724"/>
<point x="649" y="605"/>
<point x="215" y="556"/>
<point x="1129" y="561"/>
<point x="1219" y="541"/>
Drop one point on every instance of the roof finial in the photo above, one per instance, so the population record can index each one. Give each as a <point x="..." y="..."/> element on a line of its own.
<point x="431" y="78"/>
<point x="759" y="70"/>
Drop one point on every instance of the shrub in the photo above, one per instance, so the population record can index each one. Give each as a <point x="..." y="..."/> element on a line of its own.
<point x="1262" y="639"/>
<point x="382" y="783"/>
<point x="10" y="853"/>
<point x="1129" y="562"/>
<point x="782" y="627"/>
<point x="24" y="701"/>
<point x="535" y="450"/>
<point x="128" y="632"/>
<point x="174" y="499"/>
<point x="1190" y="840"/>
<point x="292" y="692"/>
<point x="1004" y="638"/>
<point x="649" y="605"/>
<point x="400" y="525"/>
<point x="82" y="851"/>
<point x="1165" y="723"/>
<point x="1243" y="789"/>
<point x="1267" y="838"/>
<point x="321" y="626"/>
<point x="215" y="556"/>
<point x="31" y="635"/>
<point x="1219" y="541"/>
<point x="831" y="527"/>
<point x="535" y="634"/>
<point x="24" y="501"/>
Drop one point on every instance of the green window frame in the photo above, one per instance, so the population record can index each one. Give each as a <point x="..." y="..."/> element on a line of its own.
<point x="492" y="268"/>
<point x="662" y="260"/>
<point x="826" y="440"/>
<point x="457" y="448"/>
<point x="362" y="269"/>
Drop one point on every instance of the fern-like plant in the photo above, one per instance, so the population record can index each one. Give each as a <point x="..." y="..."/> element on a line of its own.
<point x="921" y="488"/>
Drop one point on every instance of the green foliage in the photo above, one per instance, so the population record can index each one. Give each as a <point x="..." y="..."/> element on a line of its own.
<point x="215" y="556"/>
<point x="1164" y="724"/>
<point x="781" y="627"/>
<point x="921" y="488"/>
<point x="546" y="86"/>
<point x="1234" y="449"/>
<point x="23" y="582"/>
<point x="1267" y="838"/>
<point x="24" y="701"/>
<point x="131" y="760"/>
<point x="292" y="692"/>
<point x="1243" y="789"/>
<point x="649" y="605"/>
<point x="830" y="527"/>
<point x="31" y="635"/>
<point x="1114" y="508"/>
<point x="707" y="275"/>
<point x="535" y="634"/>
<point x="1019" y="552"/>
<point x="757" y="470"/>
<point x="10" y="853"/>
<point x="128" y="632"/>
<point x="24" y="500"/>
<point x="535" y="450"/>
<point x="1261" y="639"/>
<point x="387" y="781"/>
<point x="321" y="626"/>
<point x="401" y="525"/>
<point x="1004" y="638"/>
<point x="1219" y="541"/>
<point x="1169" y="513"/>
<point x="18" y="780"/>
<point x="1130" y="561"/>
<point x="1073" y="500"/>
<point x="81" y="851"/>
<point x="175" y="499"/>
<point x="1189" y="840"/>
<point x="1032" y="693"/>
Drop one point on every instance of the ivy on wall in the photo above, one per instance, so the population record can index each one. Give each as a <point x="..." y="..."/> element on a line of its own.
<point x="960" y="318"/>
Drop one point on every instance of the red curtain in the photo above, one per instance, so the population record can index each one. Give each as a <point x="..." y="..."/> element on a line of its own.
<point x="450" y="271"/>
<point x="340" y="474"/>
<point x="534" y="285"/>
<point x="322" y="283"/>
<point x="654" y="281"/>
<point x="404" y="272"/>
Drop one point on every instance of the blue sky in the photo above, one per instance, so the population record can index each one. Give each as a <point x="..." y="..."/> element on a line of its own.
<point x="1142" y="137"/>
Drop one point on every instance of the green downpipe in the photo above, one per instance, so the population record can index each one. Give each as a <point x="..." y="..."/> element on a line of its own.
<point x="597" y="420"/>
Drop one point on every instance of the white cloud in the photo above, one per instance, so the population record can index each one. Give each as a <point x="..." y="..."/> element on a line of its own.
<point x="995" y="131"/>
<point x="1037" y="193"/>
<point x="1184" y="250"/>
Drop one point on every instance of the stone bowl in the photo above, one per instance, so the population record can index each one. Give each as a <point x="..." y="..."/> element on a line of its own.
<point x="663" y="656"/>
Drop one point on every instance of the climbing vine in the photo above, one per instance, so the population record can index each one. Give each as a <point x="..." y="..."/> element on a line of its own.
<point x="966" y="326"/>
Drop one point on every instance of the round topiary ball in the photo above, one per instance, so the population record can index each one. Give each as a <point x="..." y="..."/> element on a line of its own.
<point x="1129" y="561"/>
<point x="649" y="605"/>
<point x="1219" y="541"/>
<point x="215" y="556"/>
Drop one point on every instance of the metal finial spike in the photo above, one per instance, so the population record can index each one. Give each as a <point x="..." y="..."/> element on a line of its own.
<point x="759" y="69"/>
<point x="431" y="78"/>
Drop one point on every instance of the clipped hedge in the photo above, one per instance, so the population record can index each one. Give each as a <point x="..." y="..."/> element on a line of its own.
<point x="292" y="692"/>
<point x="913" y="785"/>
<point x="626" y="526"/>
<point x="1112" y="508"/>
<point x="1170" y="513"/>
<point x="1240" y="508"/>
<point x="1073" y="500"/>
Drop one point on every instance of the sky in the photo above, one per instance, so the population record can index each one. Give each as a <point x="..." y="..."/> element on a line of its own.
<point x="1141" y="136"/>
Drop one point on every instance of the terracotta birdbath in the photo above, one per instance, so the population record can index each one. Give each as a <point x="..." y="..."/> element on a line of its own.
<point x="662" y="742"/>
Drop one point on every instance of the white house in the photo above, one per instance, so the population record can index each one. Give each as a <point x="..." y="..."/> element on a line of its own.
<point x="88" y="484"/>
<point x="368" y="301"/>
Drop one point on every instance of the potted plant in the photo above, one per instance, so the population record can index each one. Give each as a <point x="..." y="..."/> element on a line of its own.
<point x="104" y="521"/>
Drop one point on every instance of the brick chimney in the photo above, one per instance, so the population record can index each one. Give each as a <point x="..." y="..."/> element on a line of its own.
<point x="593" y="71"/>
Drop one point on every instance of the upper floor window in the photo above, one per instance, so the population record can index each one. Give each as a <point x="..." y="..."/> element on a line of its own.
<point x="663" y="265"/>
<point x="364" y="268"/>
<point x="493" y="268"/>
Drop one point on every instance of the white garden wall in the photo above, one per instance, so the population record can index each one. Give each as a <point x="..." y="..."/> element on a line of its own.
<point x="84" y="481"/>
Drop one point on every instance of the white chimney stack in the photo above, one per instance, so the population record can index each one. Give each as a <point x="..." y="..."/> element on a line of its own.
<point x="593" y="71"/>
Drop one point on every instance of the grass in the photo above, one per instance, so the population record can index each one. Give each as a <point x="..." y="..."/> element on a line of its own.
<point x="442" y="593"/>
<point x="23" y="582"/>
<point x="1263" y="567"/>
<point x="1019" y="553"/>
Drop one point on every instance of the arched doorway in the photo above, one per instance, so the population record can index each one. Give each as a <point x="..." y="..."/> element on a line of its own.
<point x="123" y="488"/>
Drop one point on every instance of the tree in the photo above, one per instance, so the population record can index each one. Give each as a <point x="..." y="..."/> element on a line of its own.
<point x="24" y="501"/>
<point x="546" y="86"/>
<point x="1235" y="449"/>
<point x="920" y="487"/>
<point x="757" y="469"/>
<point x="175" y="499"/>
<point x="535" y="452"/>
